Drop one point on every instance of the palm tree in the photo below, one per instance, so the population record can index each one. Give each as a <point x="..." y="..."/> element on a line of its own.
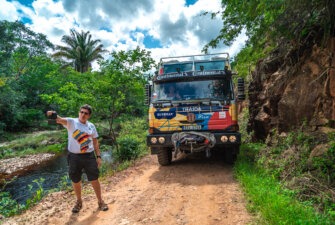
<point x="81" y="50"/>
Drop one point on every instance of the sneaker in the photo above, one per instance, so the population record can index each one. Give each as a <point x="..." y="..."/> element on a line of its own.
<point x="103" y="206"/>
<point x="77" y="206"/>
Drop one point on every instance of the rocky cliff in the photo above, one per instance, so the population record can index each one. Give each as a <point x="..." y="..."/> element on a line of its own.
<point x="293" y="85"/>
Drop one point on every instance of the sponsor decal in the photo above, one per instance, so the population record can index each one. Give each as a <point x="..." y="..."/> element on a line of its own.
<point x="190" y="117"/>
<point x="204" y="116"/>
<point x="165" y="114"/>
<point x="192" y="127"/>
<point x="191" y="74"/>
<point x="222" y="115"/>
<point x="188" y="109"/>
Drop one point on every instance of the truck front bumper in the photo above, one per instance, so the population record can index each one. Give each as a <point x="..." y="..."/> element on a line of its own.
<point x="156" y="141"/>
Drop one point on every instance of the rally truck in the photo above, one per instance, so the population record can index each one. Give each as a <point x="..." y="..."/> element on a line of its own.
<point x="192" y="107"/>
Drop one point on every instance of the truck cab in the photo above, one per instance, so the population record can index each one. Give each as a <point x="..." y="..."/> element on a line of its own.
<point x="192" y="108"/>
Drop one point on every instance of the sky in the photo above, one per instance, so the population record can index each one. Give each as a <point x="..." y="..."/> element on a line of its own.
<point x="164" y="27"/>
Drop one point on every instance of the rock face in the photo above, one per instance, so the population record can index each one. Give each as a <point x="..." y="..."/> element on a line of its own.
<point x="291" y="86"/>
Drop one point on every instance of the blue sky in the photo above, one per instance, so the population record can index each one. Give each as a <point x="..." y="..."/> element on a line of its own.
<point x="165" y="27"/>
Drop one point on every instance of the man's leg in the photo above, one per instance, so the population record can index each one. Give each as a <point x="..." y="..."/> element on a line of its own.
<point x="75" y="172"/>
<point x="97" y="189"/>
<point x="92" y="172"/>
<point x="77" y="190"/>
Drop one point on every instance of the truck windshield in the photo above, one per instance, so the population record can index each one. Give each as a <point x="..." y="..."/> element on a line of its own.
<point x="199" y="65"/>
<point x="179" y="67"/>
<point x="194" y="90"/>
<point x="210" y="65"/>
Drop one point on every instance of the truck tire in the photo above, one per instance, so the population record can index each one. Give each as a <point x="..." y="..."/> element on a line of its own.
<point x="164" y="156"/>
<point x="230" y="155"/>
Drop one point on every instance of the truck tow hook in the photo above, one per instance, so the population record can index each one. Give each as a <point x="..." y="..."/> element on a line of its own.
<point x="208" y="152"/>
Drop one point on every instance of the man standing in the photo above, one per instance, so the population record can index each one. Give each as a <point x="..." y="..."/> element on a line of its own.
<point x="82" y="142"/>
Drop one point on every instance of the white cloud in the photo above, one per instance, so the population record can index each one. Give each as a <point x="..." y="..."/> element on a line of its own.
<point x="8" y="11"/>
<point x="238" y="44"/>
<point x="124" y="24"/>
<point x="48" y="8"/>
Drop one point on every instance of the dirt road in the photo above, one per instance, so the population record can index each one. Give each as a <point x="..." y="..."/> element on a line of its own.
<point x="193" y="190"/>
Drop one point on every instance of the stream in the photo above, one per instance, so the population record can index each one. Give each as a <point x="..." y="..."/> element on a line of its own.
<point x="52" y="172"/>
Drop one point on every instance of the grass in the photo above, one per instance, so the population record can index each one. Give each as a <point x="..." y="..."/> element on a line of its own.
<point x="53" y="141"/>
<point x="267" y="197"/>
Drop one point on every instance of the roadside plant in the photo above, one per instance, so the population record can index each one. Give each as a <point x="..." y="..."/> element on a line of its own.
<point x="326" y="164"/>
<point x="38" y="195"/>
<point x="64" y="184"/>
<point x="8" y="206"/>
<point x="128" y="148"/>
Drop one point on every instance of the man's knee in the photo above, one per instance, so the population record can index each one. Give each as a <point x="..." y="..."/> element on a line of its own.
<point x="75" y="178"/>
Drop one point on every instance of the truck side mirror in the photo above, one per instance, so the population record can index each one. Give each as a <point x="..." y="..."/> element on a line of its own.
<point x="240" y="89"/>
<point x="147" y="94"/>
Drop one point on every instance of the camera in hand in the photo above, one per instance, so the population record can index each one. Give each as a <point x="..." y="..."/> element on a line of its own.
<point x="52" y="119"/>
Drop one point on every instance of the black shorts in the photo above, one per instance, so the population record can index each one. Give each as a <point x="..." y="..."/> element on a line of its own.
<point x="78" y="162"/>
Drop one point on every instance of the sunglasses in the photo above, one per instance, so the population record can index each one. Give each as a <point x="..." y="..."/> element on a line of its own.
<point x="82" y="112"/>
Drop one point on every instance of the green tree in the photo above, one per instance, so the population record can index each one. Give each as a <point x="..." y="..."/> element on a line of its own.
<point x="116" y="90"/>
<point x="24" y="65"/>
<point x="18" y="47"/>
<point x="81" y="50"/>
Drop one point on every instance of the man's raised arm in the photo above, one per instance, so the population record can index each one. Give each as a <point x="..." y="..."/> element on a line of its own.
<point x="59" y="119"/>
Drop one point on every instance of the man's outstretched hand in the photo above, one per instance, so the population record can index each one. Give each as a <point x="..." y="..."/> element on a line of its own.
<point x="53" y="118"/>
<point x="49" y="113"/>
<point x="52" y="114"/>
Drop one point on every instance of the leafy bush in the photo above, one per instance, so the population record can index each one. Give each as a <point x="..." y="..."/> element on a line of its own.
<point x="132" y="139"/>
<point x="8" y="206"/>
<point x="135" y="126"/>
<point x="128" y="148"/>
<point x="65" y="184"/>
<point x="31" y="116"/>
<point x="326" y="164"/>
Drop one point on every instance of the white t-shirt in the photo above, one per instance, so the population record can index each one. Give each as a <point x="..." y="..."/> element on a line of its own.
<point x="80" y="136"/>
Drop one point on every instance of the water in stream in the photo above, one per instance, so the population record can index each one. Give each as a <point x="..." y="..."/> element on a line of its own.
<point x="52" y="172"/>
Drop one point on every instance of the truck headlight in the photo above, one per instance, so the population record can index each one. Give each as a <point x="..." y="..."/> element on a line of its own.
<point x="153" y="140"/>
<point x="161" y="140"/>
<point x="232" y="138"/>
<point x="224" y="139"/>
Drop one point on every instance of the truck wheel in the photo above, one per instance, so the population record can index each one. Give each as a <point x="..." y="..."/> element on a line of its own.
<point x="164" y="156"/>
<point x="230" y="155"/>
